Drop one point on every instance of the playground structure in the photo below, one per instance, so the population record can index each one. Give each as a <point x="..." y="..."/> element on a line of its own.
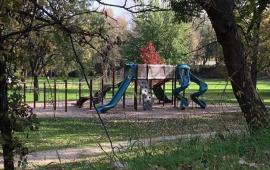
<point x="150" y="76"/>
<point x="143" y="81"/>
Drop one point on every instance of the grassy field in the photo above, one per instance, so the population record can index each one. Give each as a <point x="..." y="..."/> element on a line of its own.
<point x="218" y="90"/>
<point x="233" y="152"/>
<point x="77" y="132"/>
<point x="58" y="133"/>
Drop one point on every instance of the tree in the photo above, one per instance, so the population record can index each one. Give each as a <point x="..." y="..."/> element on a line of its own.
<point x="148" y="55"/>
<point x="39" y="52"/>
<point x="208" y="46"/>
<point x="222" y="16"/>
<point x="109" y="55"/>
<point x="20" y="18"/>
<point x="171" y="39"/>
<point x="249" y="18"/>
<point x="264" y="48"/>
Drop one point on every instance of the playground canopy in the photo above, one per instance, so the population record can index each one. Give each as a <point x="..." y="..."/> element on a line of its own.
<point x="153" y="71"/>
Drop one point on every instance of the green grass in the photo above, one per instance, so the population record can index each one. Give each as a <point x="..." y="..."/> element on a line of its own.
<point x="218" y="91"/>
<point x="77" y="132"/>
<point x="234" y="152"/>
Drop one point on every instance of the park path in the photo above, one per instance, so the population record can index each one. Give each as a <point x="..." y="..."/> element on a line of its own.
<point x="75" y="154"/>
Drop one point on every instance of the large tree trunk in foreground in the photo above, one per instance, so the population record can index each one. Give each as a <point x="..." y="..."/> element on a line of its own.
<point x="221" y="15"/>
<point x="6" y="131"/>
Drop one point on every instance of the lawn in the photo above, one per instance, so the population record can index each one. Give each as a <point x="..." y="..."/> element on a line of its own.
<point x="77" y="132"/>
<point x="233" y="152"/>
<point x="58" y="133"/>
<point x="219" y="91"/>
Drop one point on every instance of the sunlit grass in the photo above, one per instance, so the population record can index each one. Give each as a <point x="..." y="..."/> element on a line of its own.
<point x="218" y="91"/>
<point x="77" y="132"/>
<point x="233" y="152"/>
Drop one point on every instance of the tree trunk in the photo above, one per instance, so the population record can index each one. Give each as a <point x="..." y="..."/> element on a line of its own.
<point x="36" y="87"/>
<point x="254" y="54"/>
<point x="254" y="31"/>
<point x="223" y="22"/>
<point x="6" y="130"/>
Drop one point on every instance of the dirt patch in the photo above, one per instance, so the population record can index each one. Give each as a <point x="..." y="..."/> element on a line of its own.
<point x="159" y="111"/>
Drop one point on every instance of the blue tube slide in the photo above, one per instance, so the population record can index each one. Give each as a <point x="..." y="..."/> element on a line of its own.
<point x="130" y="74"/>
<point x="185" y="76"/>
<point x="203" y="88"/>
<point x="182" y="74"/>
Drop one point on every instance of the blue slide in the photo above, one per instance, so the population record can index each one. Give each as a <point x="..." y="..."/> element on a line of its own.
<point x="130" y="73"/>
<point x="184" y="75"/>
<point x="203" y="88"/>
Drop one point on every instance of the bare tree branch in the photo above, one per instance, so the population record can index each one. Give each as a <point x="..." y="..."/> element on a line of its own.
<point x="200" y="48"/>
<point x="134" y="8"/>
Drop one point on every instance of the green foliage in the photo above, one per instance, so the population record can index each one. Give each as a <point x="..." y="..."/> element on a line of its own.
<point x="21" y="118"/>
<point x="170" y="39"/>
<point x="208" y="42"/>
<point x="264" y="46"/>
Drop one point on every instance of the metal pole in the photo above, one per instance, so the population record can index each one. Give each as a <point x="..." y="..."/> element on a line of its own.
<point x="65" y="95"/>
<point x="44" y="92"/>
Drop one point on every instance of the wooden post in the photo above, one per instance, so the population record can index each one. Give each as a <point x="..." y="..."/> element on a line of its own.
<point x="54" y="105"/>
<point x="164" y="85"/>
<point x="34" y="89"/>
<point x="91" y="94"/>
<point x="124" y="95"/>
<point x="80" y="89"/>
<point x="140" y="97"/>
<point x="172" y="90"/>
<point x="136" y="91"/>
<point x="124" y="100"/>
<point x="163" y="103"/>
<point x="65" y="95"/>
<point x="174" y="87"/>
<point x="24" y="93"/>
<point x="44" y="93"/>
<point x="102" y="89"/>
<point x="113" y="82"/>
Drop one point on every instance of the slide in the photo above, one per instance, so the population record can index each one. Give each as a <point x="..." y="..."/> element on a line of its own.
<point x="123" y="87"/>
<point x="159" y="92"/>
<point x="182" y="74"/>
<point x="203" y="88"/>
